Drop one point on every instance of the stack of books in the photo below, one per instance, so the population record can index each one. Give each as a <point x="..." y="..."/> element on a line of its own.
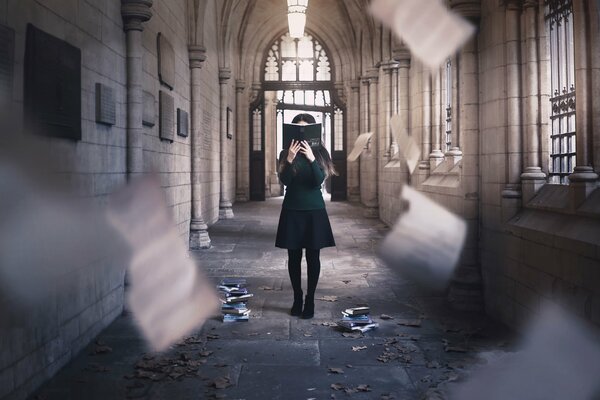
<point x="357" y="319"/>
<point x="234" y="299"/>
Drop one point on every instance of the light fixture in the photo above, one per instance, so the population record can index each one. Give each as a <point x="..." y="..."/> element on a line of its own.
<point x="297" y="17"/>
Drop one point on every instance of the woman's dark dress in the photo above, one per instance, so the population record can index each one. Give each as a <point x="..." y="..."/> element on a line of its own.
<point x="303" y="223"/>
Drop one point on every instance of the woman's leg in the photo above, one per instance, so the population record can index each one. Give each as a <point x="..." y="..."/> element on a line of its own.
<point x="294" y="269"/>
<point x="314" y="270"/>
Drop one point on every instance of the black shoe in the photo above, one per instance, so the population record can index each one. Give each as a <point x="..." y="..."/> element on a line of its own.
<point x="297" y="306"/>
<point x="309" y="308"/>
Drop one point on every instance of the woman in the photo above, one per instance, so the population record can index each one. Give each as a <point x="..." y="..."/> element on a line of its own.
<point x="303" y="223"/>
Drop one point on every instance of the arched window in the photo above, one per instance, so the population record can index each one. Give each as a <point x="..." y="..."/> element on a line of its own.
<point x="297" y="60"/>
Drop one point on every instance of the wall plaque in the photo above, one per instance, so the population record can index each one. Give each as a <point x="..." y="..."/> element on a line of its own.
<point x="166" y="116"/>
<point x="7" y="59"/>
<point x="149" y="111"/>
<point x="52" y="95"/>
<point x="182" y="122"/>
<point x="166" y="62"/>
<point x="106" y="108"/>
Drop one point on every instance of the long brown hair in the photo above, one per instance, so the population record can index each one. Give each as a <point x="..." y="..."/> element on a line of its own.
<point x="322" y="156"/>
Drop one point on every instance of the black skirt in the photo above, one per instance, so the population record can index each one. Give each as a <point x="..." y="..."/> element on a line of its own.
<point x="304" y="229"/>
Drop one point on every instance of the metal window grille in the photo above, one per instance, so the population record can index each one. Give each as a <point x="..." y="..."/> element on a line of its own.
<point x="559" y="19"/>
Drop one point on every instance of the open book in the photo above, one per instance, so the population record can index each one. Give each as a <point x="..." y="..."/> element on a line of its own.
<point x="311" y="133"/>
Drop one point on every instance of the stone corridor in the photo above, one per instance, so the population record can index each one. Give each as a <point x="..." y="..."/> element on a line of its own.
<point x="421" y="343"/>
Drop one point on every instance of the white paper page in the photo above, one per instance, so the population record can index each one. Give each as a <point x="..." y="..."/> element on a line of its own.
<point x="431" y="31"/>
<point x="169" y="295"/>
<point x="359" y="146"/>
<point x="407" y="145"/>
<point x="426" y="241"/>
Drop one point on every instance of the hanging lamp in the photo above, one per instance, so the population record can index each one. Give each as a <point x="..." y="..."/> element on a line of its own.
<point x="297" y="17"/>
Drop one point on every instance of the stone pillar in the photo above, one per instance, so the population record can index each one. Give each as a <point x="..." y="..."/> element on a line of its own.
<point x="514" y="150"/>
<point x="583" y="179"/>
<point x="388" y="87"/>
<point x="199" y="238"/>
<point x="134" y="14"/>
<point x="353" y="119"/>
<point x="427" y="123"/>
<point x="403" y="59"/>
<point x="436" y="156"/>
<point x="225" y="206"/>
<point x="369" y="158"/>
<point x="240" y="135"/>
<point x="533" y="178"/>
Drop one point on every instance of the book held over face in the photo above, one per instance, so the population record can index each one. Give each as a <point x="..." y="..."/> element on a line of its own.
<point x="311" y="133"/>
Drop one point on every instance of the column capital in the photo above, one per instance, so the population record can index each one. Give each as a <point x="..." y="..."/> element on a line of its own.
<point x="197" y="55"/>
<point x="470" y="9"/>
<point x="135" y="13"/>
<point x="390" y="65"/>
<point x="224" y="74"/>
<point x="240" y="85"/>
<point x="373" y="74"/>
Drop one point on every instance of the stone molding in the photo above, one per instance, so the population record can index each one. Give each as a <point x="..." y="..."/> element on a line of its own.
<point x="224" y="74"/>
<point x="240" y="85"/>
<point x="135" y="13"/>
<point x="197" y="55"/>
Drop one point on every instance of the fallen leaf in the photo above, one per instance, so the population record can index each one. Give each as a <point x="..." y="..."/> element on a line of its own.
<point x="101" y="348"/>
<point x="386" y="396"/>
<point x="363" y="388"/>
<point x="335" y="370"/>
<point x="349" y="366"/>
<point x="328" y="298"/>
<point x="222" y="382"/>
<point x="359" y="348"/>
<point x="337" y="386"/>
<point x="206" y="353"/>
<point x="433" y="364"/>
<point x="385" y="316"/>
<point x="212" y="336"/>
<point x="410" y="322"/>
<point x="328" y="324"/>
<point x="353" y="335"/>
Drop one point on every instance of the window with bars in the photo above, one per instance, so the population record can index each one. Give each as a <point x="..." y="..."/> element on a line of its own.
<point x="320" y="98"/>
<point x="559" y="20"/>
<point x="338" y="118"/>
<point x="297" y="60"/>
<point x="448" y="100"/>
<point x="257" y="130"/>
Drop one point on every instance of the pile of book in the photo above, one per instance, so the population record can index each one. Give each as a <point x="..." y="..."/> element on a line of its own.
<point x="234" y="299"/>
<point x="357" y="319"/>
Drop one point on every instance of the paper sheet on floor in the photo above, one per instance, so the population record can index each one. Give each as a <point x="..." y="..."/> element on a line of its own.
<point x="559" y="359"/>
<point x="425" y="242"/>
<point x="359" y="146"/>
<point x="429" y="29"/>
<point x="169" y="295"/>
<point x="407" y="145"/>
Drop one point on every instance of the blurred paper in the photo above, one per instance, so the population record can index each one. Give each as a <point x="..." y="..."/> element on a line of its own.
<point x="359" y="146"/>
<point x="169" y="295"/>
<point x="426" y="241"/>
<point x="430" y="30"/>
<point x="560" y="360"/>
<point x="407" y="145"/>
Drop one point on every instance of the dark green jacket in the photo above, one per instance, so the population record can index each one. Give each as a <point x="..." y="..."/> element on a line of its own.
<point x="302" y="186"/>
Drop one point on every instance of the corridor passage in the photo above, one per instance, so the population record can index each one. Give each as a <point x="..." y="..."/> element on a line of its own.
<point x="420" y="343"/>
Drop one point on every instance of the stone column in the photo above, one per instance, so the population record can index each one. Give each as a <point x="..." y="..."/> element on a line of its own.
<point x="353" y="120"/>
<point x="388" y="88"/>
<point x="369" y="158"/>
<point x="240" y="134"/>
<point x="436" y="156"/>
<point x="514" y="136"/>
<point x="583" y="179"/>
<point x="225" y="206"/>
<point x="135" y="13"/>
<point x="199" y="238"/>
<point x="403" y="59"/>
<point x="427" y="123"/>
<point x="533" y="178"/>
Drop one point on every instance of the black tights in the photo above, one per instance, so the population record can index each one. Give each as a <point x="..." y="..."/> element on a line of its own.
<point x="314" y="269"/>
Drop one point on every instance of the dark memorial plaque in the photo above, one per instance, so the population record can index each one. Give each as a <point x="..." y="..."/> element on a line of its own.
<point x="52" y="85"/>
<point x="149" y="111"/>
<point x="182" y="123"/>
<point x="106" y="109"/>
<point x="7" y="59"/>
<point x="166" y="116"/>
<point x="166" y="62"/>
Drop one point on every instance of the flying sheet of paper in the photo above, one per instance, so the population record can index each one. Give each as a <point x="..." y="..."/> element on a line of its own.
<point x="559" y="360"/>
<point x="406" y="144"/>
<point x="169" y="295"/>
<point x="430" y="30"/>
<point x="425" y="242"/>
<point x="359" y="146"/>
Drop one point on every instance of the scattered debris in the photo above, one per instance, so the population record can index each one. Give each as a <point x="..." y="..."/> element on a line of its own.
<point x="385" y="316"/>
<point x="359" y="348"/>
<point x="328" y="298"/>
<point x="386" y="396"/>
<point x="269" y="288"/>
<point x="335" y="370"/>
<point x="409" y="337"/>
<point x="205" y="353"/>
<point x="363" y="388"/>
<point x="433" y="364"/>
<point x="101" y="348"/>
<point x="222" y="382"/>
<point x="353" y="335"/>
<point x="410" y="322"/>
<point x="337" y="386"/>
<point x="212" y="336"/>
<point x="349" y="366"/>
<point x="328" y="324"/>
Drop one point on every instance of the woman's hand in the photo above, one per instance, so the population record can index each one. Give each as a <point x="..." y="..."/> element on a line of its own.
<point x="293" y="150"/>
<point x="307" y="151"/>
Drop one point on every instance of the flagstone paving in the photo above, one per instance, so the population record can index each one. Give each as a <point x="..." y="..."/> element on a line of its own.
<point x="276" y="356"/>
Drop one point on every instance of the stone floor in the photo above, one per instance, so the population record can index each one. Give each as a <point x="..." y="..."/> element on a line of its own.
<point x="276" y="356"/>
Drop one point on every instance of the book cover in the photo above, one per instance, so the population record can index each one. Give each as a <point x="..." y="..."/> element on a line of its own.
<point x="235" y="318"/>
<point x="311" y="133"/>
<point x="357" y="311"/>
